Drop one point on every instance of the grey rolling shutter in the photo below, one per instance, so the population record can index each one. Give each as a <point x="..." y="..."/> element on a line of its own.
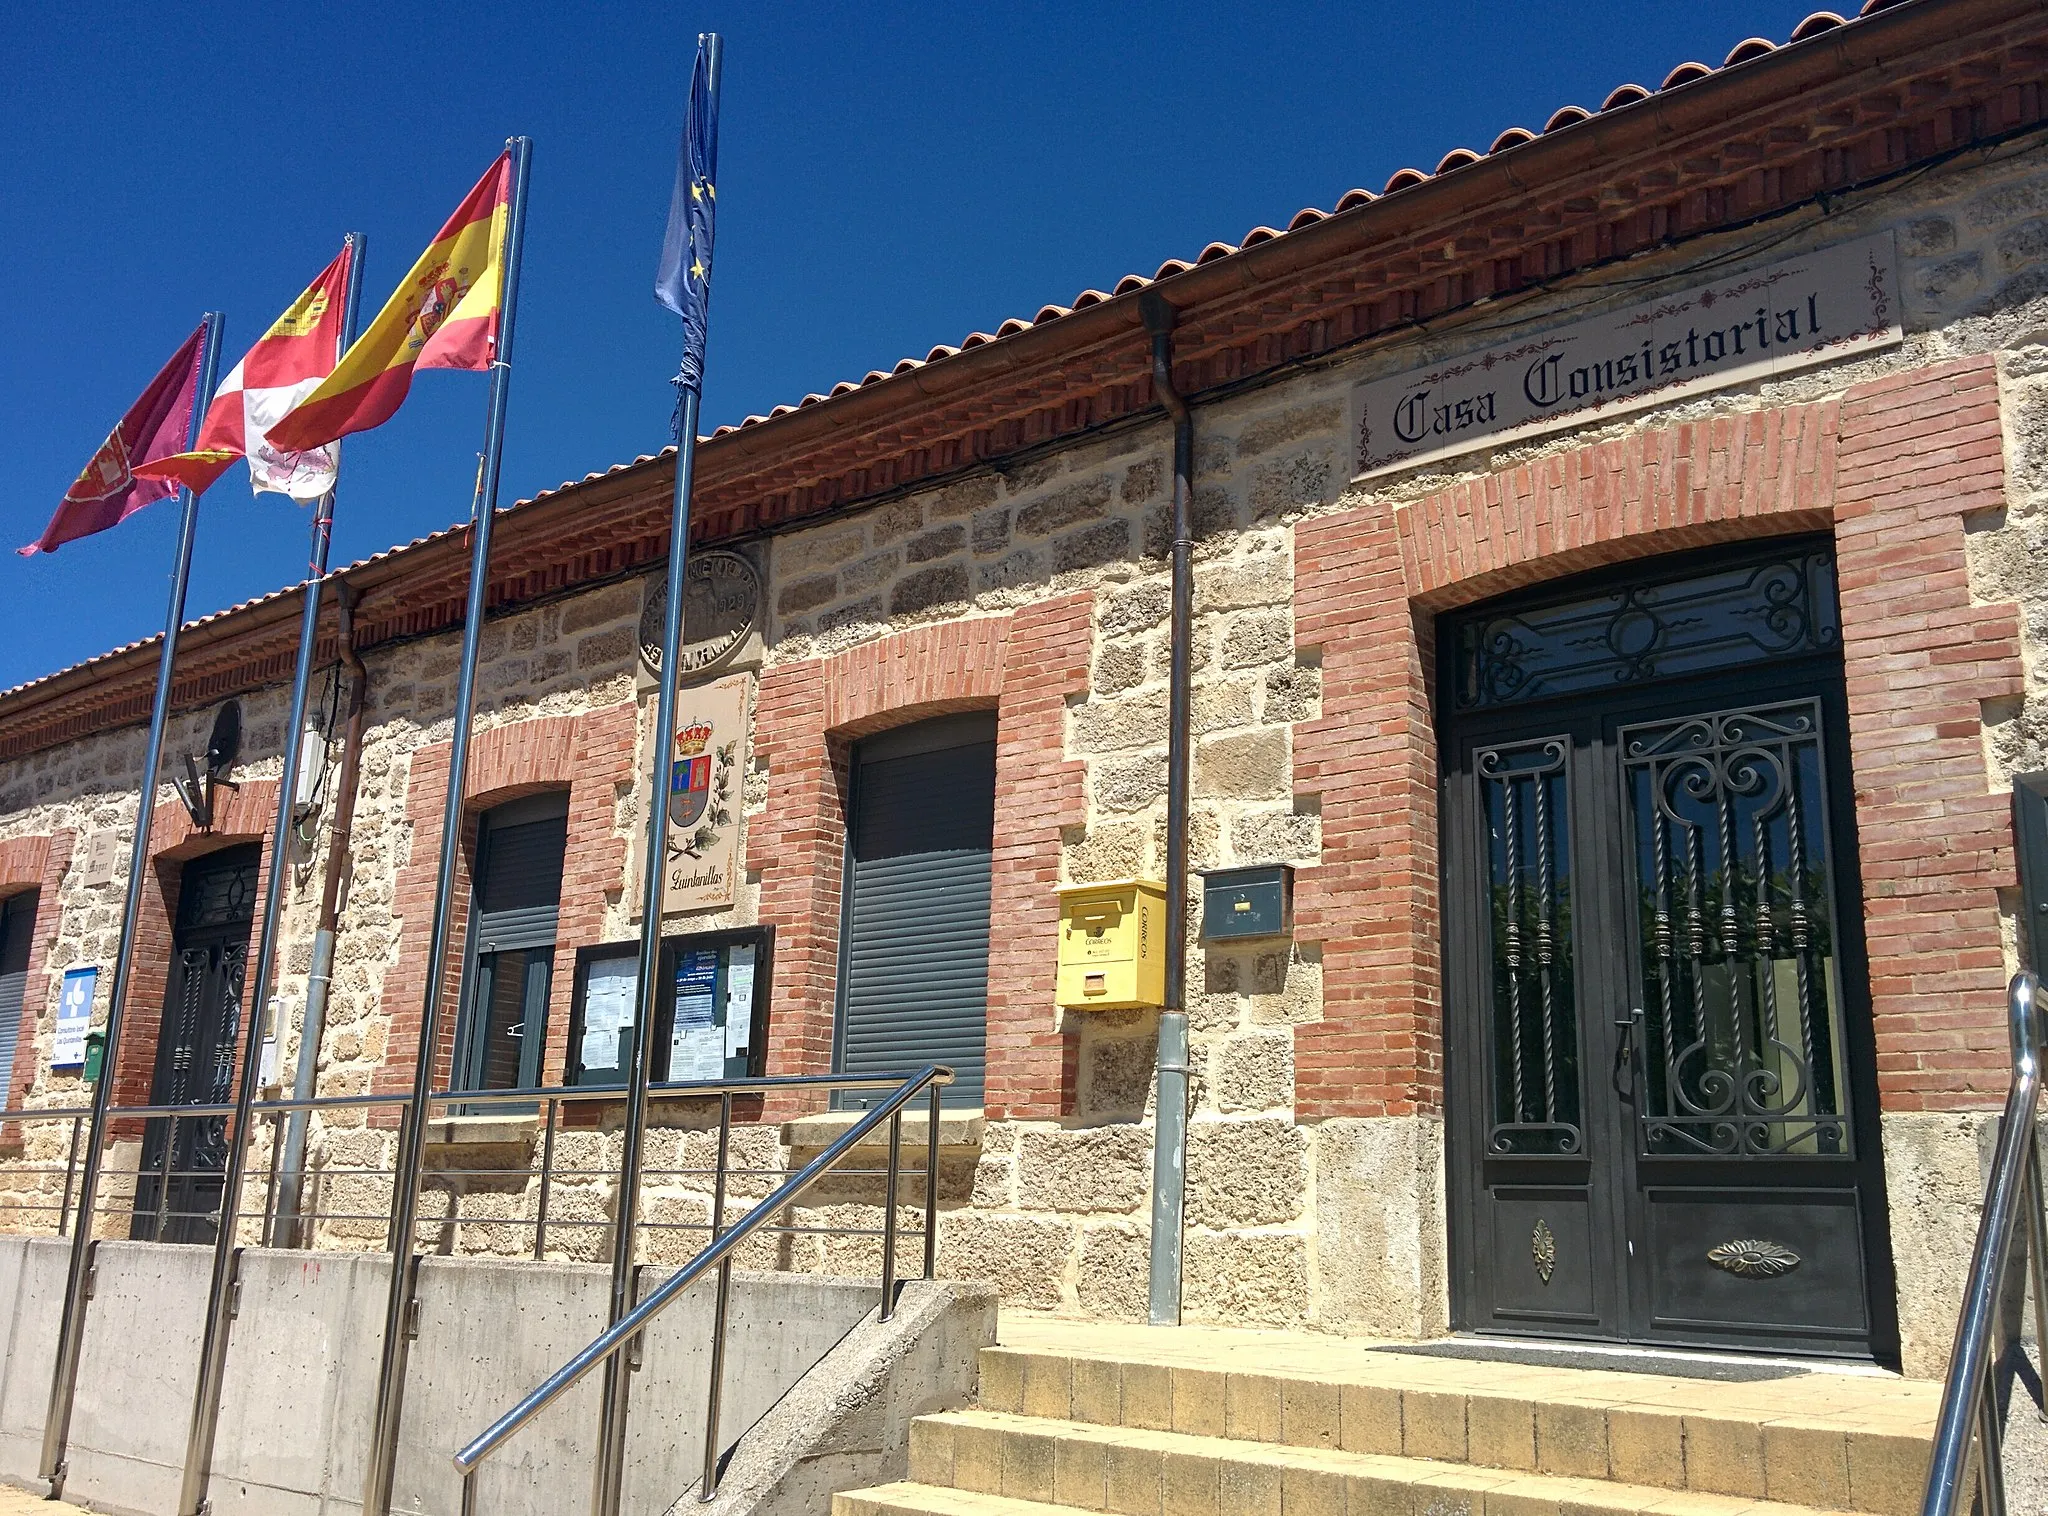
<point x="519" y="888"/>
<point x="914" y="976"/>
<point x="17" y="926"/>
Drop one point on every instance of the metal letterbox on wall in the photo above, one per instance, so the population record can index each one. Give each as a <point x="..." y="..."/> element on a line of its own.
<point x="1113" y="945"/>
<point x="1247" y="902"/>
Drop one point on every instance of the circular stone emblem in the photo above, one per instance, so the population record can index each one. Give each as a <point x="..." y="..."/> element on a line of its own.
<point x="721" y="609"/>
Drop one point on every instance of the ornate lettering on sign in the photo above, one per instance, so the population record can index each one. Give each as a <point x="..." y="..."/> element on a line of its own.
<point x="721" y="609"/>
<point x="1769" y="321"/>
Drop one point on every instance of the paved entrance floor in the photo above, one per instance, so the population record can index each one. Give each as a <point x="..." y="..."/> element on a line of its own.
<point x="15" y="1501"/>
<point x="1861" y="1400"/>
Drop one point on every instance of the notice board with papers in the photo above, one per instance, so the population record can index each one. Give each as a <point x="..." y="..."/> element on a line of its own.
<point x="710" y="1019"/>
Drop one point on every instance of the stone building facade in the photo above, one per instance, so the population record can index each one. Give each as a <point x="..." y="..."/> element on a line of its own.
<point x="987" y="531"/>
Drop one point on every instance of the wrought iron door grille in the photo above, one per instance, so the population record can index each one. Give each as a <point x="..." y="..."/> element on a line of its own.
<point x="1740" y="1053"/>
<point x="218" y="895"/>
<point x="1779" y="606"/>
<point x="210" y="1134"/>
<point x="1535" y="1021"/>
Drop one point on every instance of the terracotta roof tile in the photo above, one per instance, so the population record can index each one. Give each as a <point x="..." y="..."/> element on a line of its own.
<point x="1815" y="24"/>
<point x="1683" y="75"/>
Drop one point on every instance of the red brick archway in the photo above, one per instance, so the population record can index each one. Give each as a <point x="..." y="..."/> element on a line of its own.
<point x="1894" y="468"/>
<point x="1025" y="665"/>
<point x="242" y="814"/>
<point x="589" y="756"/>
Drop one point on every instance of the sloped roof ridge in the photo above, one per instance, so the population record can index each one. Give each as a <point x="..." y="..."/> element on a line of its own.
<point x="1745" y="51"/>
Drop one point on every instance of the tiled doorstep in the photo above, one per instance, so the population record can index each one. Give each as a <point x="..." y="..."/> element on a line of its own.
<point x="1836" y="1442"/>
<point x="1075" y="1467"/>
<point x="1361" y="1361"/>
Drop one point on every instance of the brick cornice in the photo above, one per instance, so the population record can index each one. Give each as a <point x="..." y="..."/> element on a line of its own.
<point x="1844" y="109"/>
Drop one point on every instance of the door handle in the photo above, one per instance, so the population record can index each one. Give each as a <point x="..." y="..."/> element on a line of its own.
<point x="1624" y="1054"/>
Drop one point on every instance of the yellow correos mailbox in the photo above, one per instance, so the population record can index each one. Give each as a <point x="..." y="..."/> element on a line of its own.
<point x="1113" y="945"/>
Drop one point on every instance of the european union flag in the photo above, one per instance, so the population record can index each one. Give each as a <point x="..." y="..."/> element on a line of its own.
<point x="683" y="282"/>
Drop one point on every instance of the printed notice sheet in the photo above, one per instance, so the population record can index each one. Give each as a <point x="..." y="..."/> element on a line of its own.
<point x="608" y="996"/>
<point x="696" y="1050"/>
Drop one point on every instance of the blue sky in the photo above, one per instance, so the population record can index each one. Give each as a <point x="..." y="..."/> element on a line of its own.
<point x="891" y="178"/>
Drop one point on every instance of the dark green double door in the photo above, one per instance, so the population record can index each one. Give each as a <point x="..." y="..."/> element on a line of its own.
<point x="1661" y="1073"/>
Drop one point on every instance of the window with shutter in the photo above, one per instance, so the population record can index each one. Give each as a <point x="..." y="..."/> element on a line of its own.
<point x="913" y="976"/>
<point x="503" y="1023"/>
<point x="17" y="926"/>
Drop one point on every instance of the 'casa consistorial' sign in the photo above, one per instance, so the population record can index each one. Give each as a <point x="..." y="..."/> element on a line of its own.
<point x="1791" y="315"/>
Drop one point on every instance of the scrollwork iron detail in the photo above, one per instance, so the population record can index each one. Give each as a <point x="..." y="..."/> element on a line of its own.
<point x="1781" y="606"/>
<point x="1736" y="935"/>
<point x="1529" y="892"/>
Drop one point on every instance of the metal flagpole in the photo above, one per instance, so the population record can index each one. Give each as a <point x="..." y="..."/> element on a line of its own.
<point x="291" y="1161"/>
<point x="383" y="1459"/>
<point x="71" y="1327"/>
<point x="617" y="1372"/>
<point x="213" y="1352"/>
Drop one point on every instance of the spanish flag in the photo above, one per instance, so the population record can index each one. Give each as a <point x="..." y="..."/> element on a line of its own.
<point x="444" y="315"/>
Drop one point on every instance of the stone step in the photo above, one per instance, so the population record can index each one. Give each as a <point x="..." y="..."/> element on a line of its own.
<point x="909" y="1498"/>
<point x="1837" y="1442"/>
<point x="1034" y="1465"/>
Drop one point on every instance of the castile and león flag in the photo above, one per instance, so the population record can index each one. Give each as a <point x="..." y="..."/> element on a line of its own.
<point x="287" y="363"/>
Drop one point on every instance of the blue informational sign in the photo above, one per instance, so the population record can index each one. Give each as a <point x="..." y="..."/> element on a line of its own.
<point x="74" y="1018"/>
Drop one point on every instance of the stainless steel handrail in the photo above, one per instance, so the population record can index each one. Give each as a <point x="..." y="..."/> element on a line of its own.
<point x="1969" y="1401"/>
<point x="673" y="1090"/>
<point x="602" y="1348"/>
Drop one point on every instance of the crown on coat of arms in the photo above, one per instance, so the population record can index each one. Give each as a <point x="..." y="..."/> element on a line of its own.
<point x="693" y="739"/>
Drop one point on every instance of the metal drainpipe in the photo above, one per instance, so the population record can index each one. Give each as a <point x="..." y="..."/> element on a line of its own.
<point x="1169" y="1150"/>
<point x="313" y="1027"/>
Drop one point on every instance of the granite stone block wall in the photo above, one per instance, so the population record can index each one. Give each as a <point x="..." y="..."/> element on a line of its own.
<point x="1037" y="588"/>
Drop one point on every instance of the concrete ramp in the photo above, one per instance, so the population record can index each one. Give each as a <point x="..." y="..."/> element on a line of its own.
<point x="301" y="1375"/>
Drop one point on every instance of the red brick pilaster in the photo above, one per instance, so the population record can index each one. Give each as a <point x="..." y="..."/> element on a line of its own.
<point x="1921" y="451"/>
<point x="594" y="863"/>
<point x="33" y="863"/>
<point x="1031" y="1063"/>
<point x="1372" y="900"/>
<point x="796" y="845"/>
